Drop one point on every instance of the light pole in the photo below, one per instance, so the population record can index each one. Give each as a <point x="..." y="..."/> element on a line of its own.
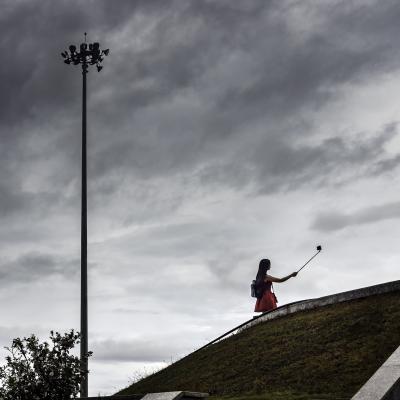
<point x="88" y="55"/>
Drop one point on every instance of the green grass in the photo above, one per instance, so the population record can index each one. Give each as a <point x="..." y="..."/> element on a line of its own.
<point x="326" y="353"/>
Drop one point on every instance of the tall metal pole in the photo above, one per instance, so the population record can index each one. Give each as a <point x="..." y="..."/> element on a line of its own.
<point x="88" y="55"/>
<point x="84" y="309"/>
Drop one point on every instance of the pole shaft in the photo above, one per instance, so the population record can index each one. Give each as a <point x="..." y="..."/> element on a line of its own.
<point x="84" y="305"/>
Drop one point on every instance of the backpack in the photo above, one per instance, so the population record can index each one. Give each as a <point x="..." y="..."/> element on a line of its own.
<point x="257" y="289"/>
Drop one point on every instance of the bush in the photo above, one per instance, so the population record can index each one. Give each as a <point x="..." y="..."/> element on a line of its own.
<point x="39" y="371"/>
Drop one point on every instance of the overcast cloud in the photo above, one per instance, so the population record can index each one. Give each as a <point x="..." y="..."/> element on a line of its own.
<point x="219" y="132"/>
<point x="337" y="220"/>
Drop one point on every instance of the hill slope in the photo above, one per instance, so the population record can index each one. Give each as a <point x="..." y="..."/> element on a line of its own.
<point x="324" y="353"/>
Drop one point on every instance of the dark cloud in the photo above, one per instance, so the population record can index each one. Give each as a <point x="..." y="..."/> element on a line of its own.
<point x="34" y="266"/>
<point x="389" y="164"/>
<point x="14" y="201"/>
<point x="334" y="221"/>
<point x="277" y="164"/>
<point x="202" y="110"/>
<point x="184" y="83"/>
<point x="33" y="37"/>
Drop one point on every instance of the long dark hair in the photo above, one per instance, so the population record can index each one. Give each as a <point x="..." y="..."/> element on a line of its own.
<point x="264" y="266"/>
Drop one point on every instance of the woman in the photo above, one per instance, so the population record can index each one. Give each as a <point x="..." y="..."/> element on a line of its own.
<point x="264" y="281"/>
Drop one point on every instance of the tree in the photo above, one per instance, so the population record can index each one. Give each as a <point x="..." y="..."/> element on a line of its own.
<point x="39" y="371"/>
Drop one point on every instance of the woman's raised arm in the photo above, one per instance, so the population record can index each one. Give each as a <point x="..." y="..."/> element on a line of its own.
<point x="279" y="280"/>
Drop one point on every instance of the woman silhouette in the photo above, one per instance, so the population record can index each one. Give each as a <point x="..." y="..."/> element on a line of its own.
<point x="264" y="283"/>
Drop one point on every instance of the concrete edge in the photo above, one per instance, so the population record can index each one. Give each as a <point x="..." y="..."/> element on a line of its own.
<point x="384" y="384"/>
<point x="327" y="300"/>
<point x="175" y="395"/>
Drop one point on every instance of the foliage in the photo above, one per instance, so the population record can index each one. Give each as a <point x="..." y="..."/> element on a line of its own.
<point x="42" y="371"/>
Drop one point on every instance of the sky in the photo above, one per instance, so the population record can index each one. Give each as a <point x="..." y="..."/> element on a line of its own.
<point x="219" y="132"/>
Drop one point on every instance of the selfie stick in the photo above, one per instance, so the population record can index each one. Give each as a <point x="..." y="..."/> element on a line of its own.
<point x="319" y="248"/>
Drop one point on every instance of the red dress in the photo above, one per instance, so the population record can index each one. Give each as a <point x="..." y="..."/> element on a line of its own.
<point x="267" y="302"/>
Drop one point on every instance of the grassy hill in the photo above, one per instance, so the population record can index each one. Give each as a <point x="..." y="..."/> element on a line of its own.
<point x="327" y="353"/>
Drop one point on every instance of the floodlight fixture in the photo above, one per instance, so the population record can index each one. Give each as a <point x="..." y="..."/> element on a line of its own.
<point x="89" y="54"/>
